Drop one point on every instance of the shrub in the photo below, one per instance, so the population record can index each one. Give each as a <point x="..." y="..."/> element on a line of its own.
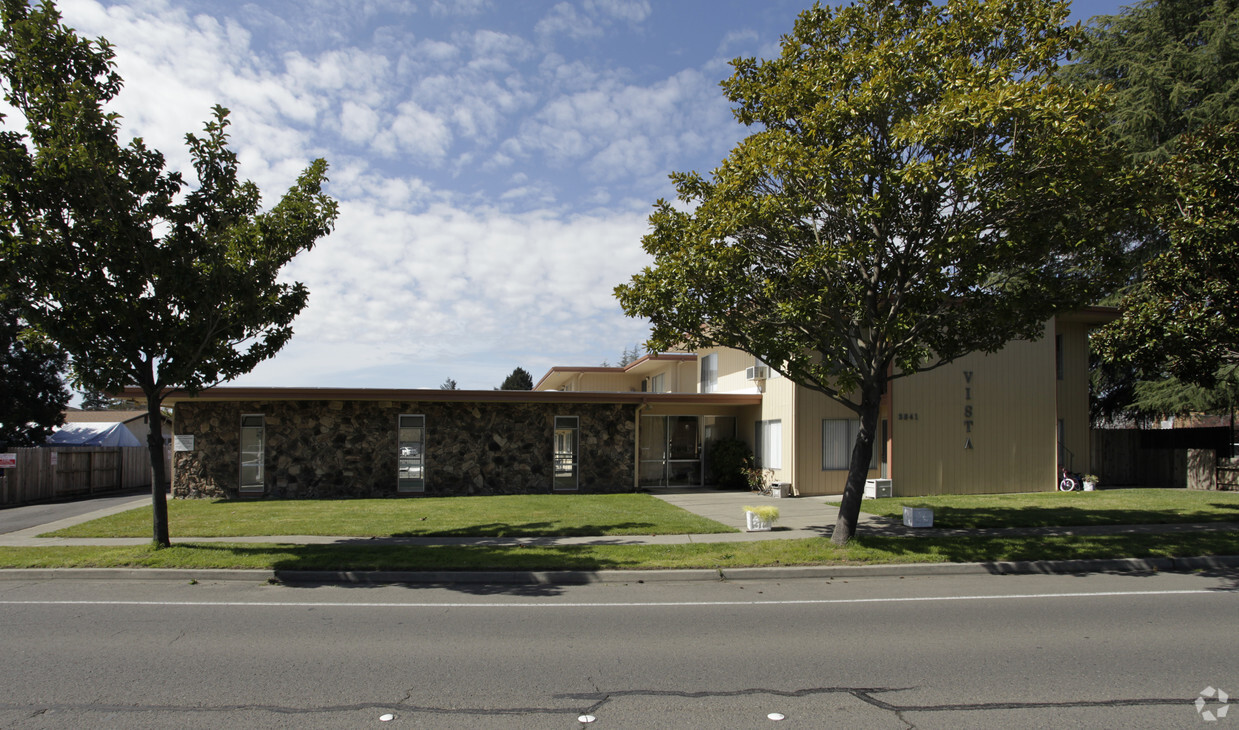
<point x="728" y="460"/>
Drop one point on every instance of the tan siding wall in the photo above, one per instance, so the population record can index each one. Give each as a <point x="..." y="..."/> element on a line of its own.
<point x="812" y="407"/>
<point x="608" y="383"/>
<point x="1013" y="433"/>
<point x="778" y="403"/>
<point x="731" y="367"/>
<point x="1072" y="395"/>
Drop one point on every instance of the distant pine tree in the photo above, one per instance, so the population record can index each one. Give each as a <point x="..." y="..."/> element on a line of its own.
<point x="519" y="379"/>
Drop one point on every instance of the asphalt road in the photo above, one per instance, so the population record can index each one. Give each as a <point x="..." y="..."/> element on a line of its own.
<point x="934" y="652"/>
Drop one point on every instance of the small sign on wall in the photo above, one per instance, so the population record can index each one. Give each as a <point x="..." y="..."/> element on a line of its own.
<point x="183" y="443"/>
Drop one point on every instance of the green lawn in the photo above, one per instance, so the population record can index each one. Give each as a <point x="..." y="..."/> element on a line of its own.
<point x="811" y="551"/>
<point x="1063" y="509"/>
<point x="629" y="514"/>
<point x="498" y="516"/>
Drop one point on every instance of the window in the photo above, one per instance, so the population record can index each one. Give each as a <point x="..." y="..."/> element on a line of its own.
<point x="1058" y="355"/>
<point x="656" y="383"/>
<point x="838" y="438"/>
<point x="771" y="373"/>
<point x="566" y="452"/>
<point x="253" y="447"/>
<point x="709" y="373"/>
<point x="768" y="444"/>
<point x="411" y="443"/>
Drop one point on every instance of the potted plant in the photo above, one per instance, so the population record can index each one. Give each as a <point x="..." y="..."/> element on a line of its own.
<point x="761" y="518"/>
<point x="1090" y="482"/>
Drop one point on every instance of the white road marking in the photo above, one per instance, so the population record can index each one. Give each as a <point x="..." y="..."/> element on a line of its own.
<point x="653" y="604"/>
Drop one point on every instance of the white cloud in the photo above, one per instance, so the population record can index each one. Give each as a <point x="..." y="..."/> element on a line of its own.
<point x="565" y="20"/>
<point x="633" y="11"/>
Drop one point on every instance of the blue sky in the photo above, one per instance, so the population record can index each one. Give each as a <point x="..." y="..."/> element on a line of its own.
<point x="494" y="160"/>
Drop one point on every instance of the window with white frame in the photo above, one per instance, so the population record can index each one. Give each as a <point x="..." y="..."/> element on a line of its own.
<point x="709" y="373"/>
<point x="656" y="383"/>
<point x="411" y="445"/>
<point x="566" y="452"/>
<point x="253" y="453"/>
<point x="768" y="444"/>
<point x="838" y="438"/>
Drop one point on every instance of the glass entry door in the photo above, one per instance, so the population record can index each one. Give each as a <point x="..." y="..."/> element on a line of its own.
<point x="670" y="448"/>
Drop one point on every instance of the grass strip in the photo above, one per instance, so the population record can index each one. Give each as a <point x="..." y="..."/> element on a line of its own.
<point x="493" y="516"/>
<point x="810" y="551"/>
<point x="1063" y="509"/>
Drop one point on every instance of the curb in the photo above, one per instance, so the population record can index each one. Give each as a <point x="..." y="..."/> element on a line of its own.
<point x="584" y="577"/>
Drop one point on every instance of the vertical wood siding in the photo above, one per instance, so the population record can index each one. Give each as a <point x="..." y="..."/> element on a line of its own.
<point x="994" y="433"/>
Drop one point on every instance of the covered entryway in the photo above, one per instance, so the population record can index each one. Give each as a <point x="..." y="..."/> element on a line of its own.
<point x="672" y="448"/>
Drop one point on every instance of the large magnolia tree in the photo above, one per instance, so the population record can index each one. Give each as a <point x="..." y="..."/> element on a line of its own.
<point x="918" y="186"/>
<point x="141" y="278"/>
<point x="1182" y="317"/>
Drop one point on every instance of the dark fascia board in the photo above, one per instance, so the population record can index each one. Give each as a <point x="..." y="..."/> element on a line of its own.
<point x="237" y="393"/>
<point x="1090" y="315"/>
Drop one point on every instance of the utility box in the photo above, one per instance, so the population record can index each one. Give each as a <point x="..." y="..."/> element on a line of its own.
<point x="877" y="488"/>
<point x="918" y="517"/>
<point x="781" y="489"/>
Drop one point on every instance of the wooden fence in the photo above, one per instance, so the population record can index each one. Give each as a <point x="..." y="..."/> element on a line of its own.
<point x="1125" y="457"/>
<point x="48" y="473"/>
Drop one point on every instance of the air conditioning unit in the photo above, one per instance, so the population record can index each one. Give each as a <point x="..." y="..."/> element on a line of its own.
<point x="878" y="488"/>
<point x="757" y="372"/>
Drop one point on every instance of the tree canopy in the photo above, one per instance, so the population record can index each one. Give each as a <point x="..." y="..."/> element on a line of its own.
<point x="140" y="277"/>
<point x="1172" y="66"/>
<point x="32" y="395"/>
<point x="1182" y="318"/>
<point x="518" y="379"/>
<point x="919" y="185"/>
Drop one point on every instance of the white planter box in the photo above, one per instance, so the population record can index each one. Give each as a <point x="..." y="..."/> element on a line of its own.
<point x="1090" y="486"/>
<point x="918" y="517"/>
<point x="877" y="488"/>
<point x="756" y="523"/>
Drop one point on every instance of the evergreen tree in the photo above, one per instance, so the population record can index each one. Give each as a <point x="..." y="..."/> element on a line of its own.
<point x="518" y="379"/>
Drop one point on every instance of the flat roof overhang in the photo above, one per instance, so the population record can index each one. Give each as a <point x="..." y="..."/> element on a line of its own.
<point x="559" y="375"/>
<point x="1090" y="315"/>
<point x="239" y="393"/>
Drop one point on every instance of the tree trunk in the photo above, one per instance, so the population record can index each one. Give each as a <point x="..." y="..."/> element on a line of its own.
<point x="858" y="467"/>
<point x="159" y="472"/>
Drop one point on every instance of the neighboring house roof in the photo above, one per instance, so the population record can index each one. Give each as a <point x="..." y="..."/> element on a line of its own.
<point x="93" y="434"/>
<point x="237" y="393"/>
<point x="558" y="375"/>
<point x="104" y="416"/>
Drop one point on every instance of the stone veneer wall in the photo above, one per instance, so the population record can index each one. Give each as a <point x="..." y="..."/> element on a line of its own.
<point x="334" y="449"/>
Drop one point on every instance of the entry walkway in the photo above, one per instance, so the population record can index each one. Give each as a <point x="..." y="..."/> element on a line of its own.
<point x="799" y="517"/>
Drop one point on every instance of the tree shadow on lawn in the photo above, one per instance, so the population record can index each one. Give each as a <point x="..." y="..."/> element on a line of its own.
<point x="1070" y="516"/>
<point x="361" y="565"/>
<point x="997" y="554"/>
<point x="534" y="529"/>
